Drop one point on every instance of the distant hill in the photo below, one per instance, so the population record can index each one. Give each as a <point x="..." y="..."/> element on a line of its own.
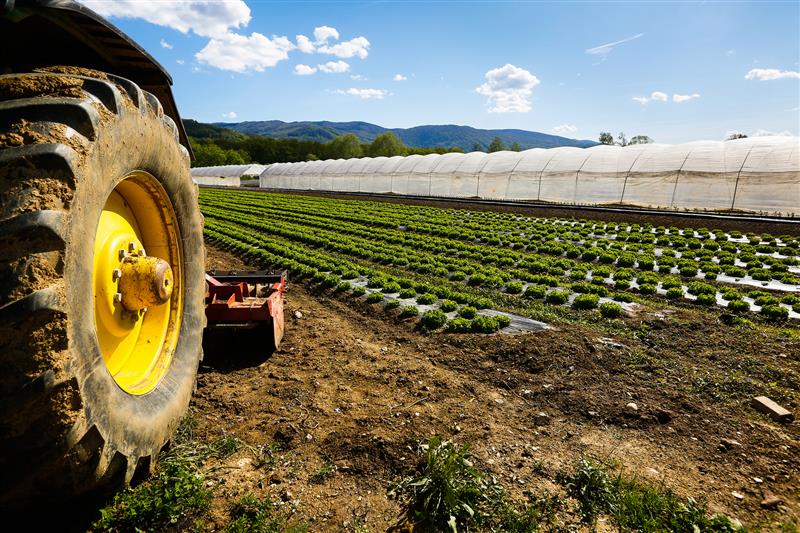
<point x="449" y="135"/>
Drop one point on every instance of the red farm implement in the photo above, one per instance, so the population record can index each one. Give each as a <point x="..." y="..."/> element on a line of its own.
<point x="240" y="302"/>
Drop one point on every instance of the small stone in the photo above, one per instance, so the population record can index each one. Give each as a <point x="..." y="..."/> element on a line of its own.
<point x="541" y="419"/>
<point x="738" y="495"/>
<point x="727" y="444"/>
<point x="758" y="480"/>
<point x="309" y="436"/>
<point x="632" y="407"/>
<point x="457" y="429"/>
<point x="499" y="401"/>
<point x="298" y="315"/>
<point x="771" y="500"/>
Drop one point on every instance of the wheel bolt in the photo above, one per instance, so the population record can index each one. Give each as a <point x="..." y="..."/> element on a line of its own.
<point x="122" y="254"/>
<point x="116" y="274"/>
<point x="131" y="247"/>
<point x="118" y="297"/>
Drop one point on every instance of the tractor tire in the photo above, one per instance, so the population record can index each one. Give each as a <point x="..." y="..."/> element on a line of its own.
<point x="81" y="411"/>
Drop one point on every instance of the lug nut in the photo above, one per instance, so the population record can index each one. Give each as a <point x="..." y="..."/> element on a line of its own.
<point x="122" y="254"/>
<point x="118" y="297"/>
<point x="131" y="247"/>
<point x="116" y="274"/>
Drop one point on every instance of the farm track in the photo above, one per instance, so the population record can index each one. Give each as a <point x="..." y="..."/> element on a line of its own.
<point x="722" y="221"/>
<point x="354" y="389"/>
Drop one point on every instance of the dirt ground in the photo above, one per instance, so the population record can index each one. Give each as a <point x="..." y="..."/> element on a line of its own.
<point x="336" y="413"/>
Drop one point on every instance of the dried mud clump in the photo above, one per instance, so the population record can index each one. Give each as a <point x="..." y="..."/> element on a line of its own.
<point x="16" y="87"/>
<point x="75" y="71"/>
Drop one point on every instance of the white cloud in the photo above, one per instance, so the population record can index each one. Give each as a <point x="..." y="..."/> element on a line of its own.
<point x="358" y="77"/>
<point x="399" y="77"/>
<point x="334" y="67"/>
<point x="240" y="53"/>
<point x="203" y="17"/>
<point x="304" y="70"/>
<point x="565" y="129"/>
<point x="165" y="44"/>
<point x="304" y="44"/>
<point x="680" y="98"/>
<point x="655" y="95"/>
<point x="765" y="74"/>
<point x="345" y="49"/>
<point x="508" y="89"/>
<point x="364" y="94"/>
<point x="180" y="61"/>
<point x="229" y="114"/>
<point x="323" y="33"/>
<point x="605" y="49"/>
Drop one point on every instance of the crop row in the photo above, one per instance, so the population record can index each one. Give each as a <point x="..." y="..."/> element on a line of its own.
<point x="333" y="226"/>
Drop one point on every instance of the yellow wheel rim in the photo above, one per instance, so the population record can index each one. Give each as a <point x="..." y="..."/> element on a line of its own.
<point x="137" y="223"/>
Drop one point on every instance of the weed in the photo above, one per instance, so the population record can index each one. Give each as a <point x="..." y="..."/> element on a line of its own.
<point x="593" y="489"/>
<point x="539" y="511"/>
<point x="266" y="455"/>
<point x="325" y="472"/>
<point x="253" y="515"/>
<point x="635" y="506"/>
<point x="175" y="492"/>
<point x="449" y="494"/>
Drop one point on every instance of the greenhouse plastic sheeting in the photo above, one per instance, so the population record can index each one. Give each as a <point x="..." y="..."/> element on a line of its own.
<point x="228" y="171"/>
<point x="757" y="174"/>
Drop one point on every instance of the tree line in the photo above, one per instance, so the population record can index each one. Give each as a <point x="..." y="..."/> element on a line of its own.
<point x="238" y="149"/>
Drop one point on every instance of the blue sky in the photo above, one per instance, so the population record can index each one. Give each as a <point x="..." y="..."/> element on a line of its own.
<point x="679" y="71"/>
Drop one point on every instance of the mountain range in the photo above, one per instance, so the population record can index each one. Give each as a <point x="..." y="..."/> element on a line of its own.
<point x="429" y="136"/>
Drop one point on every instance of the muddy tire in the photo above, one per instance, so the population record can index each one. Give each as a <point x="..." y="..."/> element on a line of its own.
<point x="68" y="139"/>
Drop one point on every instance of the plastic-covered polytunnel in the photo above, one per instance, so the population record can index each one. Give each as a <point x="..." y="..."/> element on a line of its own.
<point x="756" y="174"/>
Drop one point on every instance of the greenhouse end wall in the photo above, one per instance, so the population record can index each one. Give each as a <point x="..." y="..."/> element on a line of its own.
<point x="755" y="175"/>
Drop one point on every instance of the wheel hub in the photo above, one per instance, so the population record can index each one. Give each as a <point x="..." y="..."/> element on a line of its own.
<point x="138" y="299"/>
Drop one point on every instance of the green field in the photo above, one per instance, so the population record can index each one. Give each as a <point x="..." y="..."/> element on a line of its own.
<point x="457" y="261"/>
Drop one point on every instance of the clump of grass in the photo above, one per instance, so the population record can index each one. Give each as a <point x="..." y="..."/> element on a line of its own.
<point x="449" y="493"/>
<point x="636" y="506"/>
<point x="325" y="472"/>
<point x="251" y="514"/>
<point x="176" y="492"/>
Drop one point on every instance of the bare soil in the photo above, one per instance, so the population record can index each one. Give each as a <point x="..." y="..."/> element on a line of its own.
<point x="353" y="389"/>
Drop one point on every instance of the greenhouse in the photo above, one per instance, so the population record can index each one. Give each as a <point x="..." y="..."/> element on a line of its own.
<point x="225" y="175"/>
<point x="756" y="174"/>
